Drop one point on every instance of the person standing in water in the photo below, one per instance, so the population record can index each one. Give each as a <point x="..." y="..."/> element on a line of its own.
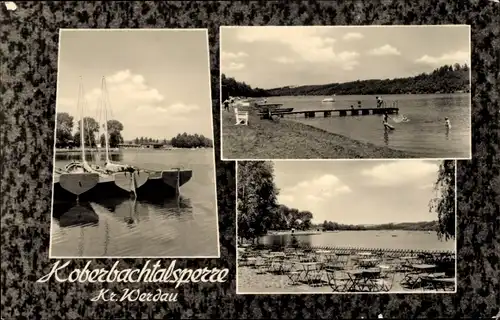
<point x="386" y="118"/>
<point x="447" y="123"/>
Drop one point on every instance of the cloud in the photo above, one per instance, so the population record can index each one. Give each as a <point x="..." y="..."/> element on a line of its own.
<point x="284" y="60"/>
<point x="446" y="58"/>
<point x="353" y="36"/>
<point x="385" y="50"/>
<point x="224" y="55"/>
<point x="228" y="63"/>
<point x="310" y="44"/>
<point x="232" y="66"/>
<point x="400" y="172"/>
<point x="317" y="189"/>
<point x="132" y="101"/>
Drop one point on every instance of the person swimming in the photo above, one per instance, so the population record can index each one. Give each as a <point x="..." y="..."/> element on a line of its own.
<point x="447" y="123"/>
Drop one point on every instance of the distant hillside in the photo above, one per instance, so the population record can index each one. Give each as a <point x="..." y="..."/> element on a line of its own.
<point x="413" y="226"/>
<point x="446" y="79"/>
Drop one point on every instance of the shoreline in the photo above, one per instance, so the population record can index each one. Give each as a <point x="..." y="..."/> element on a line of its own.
<point x="285" y="139"/>
<point x="118" y="150"/>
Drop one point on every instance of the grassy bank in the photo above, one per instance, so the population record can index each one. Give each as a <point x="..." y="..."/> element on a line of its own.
<point x="285" y="139"/>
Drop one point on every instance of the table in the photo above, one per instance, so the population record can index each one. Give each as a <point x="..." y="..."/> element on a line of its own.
<point x="440" y="283"/>
<point x="363" y="280"/>
<point x="323" y="251"/>
<point x="330" y="257"/>
<point x="365" y="254"/>
<point x="311" y="268"/>
<point x="368" y="263"/>
<point x="414" y="277"/>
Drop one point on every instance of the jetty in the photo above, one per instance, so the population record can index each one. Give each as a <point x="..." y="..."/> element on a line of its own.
<point x="338" y="112"/>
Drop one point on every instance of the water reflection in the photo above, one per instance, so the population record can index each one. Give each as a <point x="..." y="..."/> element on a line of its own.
<point x="447" y="133"/>
<point x="99" y="228"/>
<point x="81" y="214"/>
<point x="386" y="137"/>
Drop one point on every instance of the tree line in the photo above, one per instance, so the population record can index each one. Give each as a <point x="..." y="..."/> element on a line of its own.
<point x="413" y="226"/>
<point x="259" y="211"/>
<point x="146" y="140"/>
<point x="445" y="79"/>
<point x="66" y="139"/>
<point x="183" y="140"/>
<point x="233" y="88"/>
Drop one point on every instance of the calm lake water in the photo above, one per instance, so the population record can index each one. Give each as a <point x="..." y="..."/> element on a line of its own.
<point x="129" y="228"/>
<point x="416" y="240"/>
<point x="424" y="135"/>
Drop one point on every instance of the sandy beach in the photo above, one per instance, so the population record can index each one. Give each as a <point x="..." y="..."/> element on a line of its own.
<point x="286" y="139"/>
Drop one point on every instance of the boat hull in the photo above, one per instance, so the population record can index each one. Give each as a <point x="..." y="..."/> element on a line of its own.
<point x="161" y="184"/>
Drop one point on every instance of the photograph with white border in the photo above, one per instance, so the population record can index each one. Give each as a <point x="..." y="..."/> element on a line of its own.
<point x="345" y="92"/>
<point x="139" y="182"/>
<point x="381" y="226"/>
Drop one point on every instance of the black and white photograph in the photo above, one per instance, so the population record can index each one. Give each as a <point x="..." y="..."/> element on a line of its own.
<point x="380" y="226"/>
<point x="134" y="166"/>
<point x="345" y="92"/>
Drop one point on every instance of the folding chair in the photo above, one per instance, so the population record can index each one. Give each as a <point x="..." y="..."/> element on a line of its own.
<point x="241" y="117"/>
<point x="385" y="283"/>
<point x="335" y="278"/>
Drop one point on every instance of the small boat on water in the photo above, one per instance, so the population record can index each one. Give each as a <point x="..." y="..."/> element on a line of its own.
<point x="274" y="107"/>
<point x="329" y="99"/>
<point x="90" y="181"/>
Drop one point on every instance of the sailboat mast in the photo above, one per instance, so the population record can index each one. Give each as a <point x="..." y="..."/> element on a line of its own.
<point x="104" y="101"/>
<point x="82" y="127"/>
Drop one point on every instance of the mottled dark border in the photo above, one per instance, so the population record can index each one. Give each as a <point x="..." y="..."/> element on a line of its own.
<point x="29" y="45"/>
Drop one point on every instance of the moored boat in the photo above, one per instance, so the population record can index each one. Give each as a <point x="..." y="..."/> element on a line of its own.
<point x="90" y="182"/>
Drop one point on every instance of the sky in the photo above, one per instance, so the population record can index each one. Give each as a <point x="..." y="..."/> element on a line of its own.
<point x="270" y="57"/>
<point x="359" y="192"/>
<point x="158" y="81"/>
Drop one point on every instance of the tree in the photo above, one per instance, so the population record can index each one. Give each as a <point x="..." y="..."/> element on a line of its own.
<point x="64" y="129"/>
<point x="115" y="128"/>
<point x="444" y="202"/>
<point x="91" y="128"/>
<point x="231" y="87"/>
<point x="257" y="202"/>
<point x="191" y="141"/>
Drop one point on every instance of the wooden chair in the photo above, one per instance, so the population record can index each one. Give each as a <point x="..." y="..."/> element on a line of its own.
<point x="241" y="117"/>
<point x="335" y="278"/>
<point x="385" y="283"/>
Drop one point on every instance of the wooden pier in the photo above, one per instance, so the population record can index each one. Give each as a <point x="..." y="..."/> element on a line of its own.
<point x="341" y="112"/>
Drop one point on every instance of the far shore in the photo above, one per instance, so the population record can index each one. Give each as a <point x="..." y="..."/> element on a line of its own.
<point x="313" y="232"/>
<point x="285" y="139"/>
<point x="117" y="150"/>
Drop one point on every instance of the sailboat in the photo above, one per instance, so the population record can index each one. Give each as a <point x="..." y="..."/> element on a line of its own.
<point x="76" y="178"/>
<point x="92" y="182"/>
<point x="147" y="183"/>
